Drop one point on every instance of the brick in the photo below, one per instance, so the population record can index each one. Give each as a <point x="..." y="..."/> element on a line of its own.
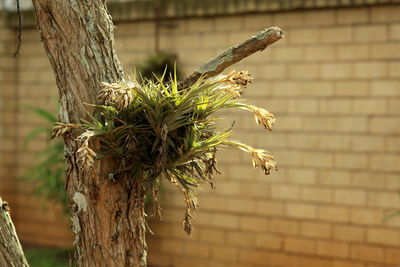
<point x="257" y="21"/>
<point x="315" y="229"/>
<point x="348" y="233"/>
<point x="385" y="125"/>
<point x="320" y="17"/>
<point x="353" y="51"/>
<point x="241" y="239"/>
<point x="385" y="13"/>
<point x="366" y="216"/>
<point x="288" y="54"/>
<point x="259" y="258"/>
<point x="302" y="176"/>
<point x="367" y="253"/>
<point x="313" y="261"/>
<point x="225" y="221"/>
<point x="370" y="33"/>
<point x="393" y="106"/>
<point x="391" y="181"/>
<point x="305" y="211"/>
<point x="300" y="245"/>
<point x="232" y="188"/>
<point x="303" y="106"/>
<point x="383" y="236"/>
<point x="319" y="53"/>
<point x="369" y="106"/>
<point x="384" y="199"/>
<point x="336" y="71"/>
<point x="333" y="177"/>
<point x="336" y="35"/>
<point x="210" y="202"/>
<point x="288" y="19"/>
<point x="318" y="88"/>
<point x="198" y="24"/>
<point x="316" y="194"/>
<point x="241" y="205"/>
<point x="304" y="36"/>
<point x="332" y="249"/>
<point x="392" y="256"/>
<point x="269" y="241"/>
<point x="368" y="180"/>
<point x="270" y="208"/>
<point x="270" y="72"/>
<point x="195" y="249"/>
<point x="351" y="88"/>
<point x="351" y="124"/>
<point x="212" y="236"/>
<point x="289" y="123"/>
<point x="255" y="190"/>
<point x="336" y="106"/>
<point x="172" y="246"/>
<point x="218" y="40"/>
<point x="333" y="213"/>
<point x="339" y="263"/>
<point x="251" y="223"/>
<point x="394" y="32"/>
<point x="394" y="69"/>
<point x="224" y="253"/>
<point x="385" y="51"/>
<point x="351" y="197"/>
<point x="352" y="16"/>
<point x="304" y="71"/>
<point x="370" y="70"/>
<point x="385" y="88"/>
<point x="283" y="226"/>
<point x="304" y="141"/>
<point x="229" y="23"/>
<point x="316" y="159"/>
<point x="351" y="161"/>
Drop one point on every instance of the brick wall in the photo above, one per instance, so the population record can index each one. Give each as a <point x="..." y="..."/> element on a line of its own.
<point x="26" y="79"/>
<point x="333" y="83"/>
<point x="8" y="115"/>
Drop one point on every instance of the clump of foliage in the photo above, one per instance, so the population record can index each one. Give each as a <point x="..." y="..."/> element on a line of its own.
<point x="158" y="131"/>
<point x="49" y="168"/>
<point x="157" y="65"/>
<point x="48" y="257"/>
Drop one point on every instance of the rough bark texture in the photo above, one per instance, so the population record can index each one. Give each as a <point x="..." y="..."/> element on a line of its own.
<point x="11" y="254"/>
<point x="215" y="66"/>
<point x="107" y="215"/>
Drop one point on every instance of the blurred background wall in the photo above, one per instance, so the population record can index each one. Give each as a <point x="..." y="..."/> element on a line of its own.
<point x="333" y="83"/>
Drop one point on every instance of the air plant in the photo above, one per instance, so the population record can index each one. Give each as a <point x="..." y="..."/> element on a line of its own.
<point x="158" y="131"/>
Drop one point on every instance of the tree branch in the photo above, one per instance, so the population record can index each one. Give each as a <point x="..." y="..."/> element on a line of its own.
<point x="11" y="253"/>
<point x="234" y="54"/>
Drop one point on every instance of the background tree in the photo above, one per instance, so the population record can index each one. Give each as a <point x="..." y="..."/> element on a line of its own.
<point x="107" y="216"/>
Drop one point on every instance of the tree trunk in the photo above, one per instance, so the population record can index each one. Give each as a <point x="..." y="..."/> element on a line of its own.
<point x="107" y="215"/>
<point x="11" y="254"/>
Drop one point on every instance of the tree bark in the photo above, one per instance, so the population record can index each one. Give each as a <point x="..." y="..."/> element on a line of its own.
<point x="107" y="215"/>
<point x="11" y="253"/>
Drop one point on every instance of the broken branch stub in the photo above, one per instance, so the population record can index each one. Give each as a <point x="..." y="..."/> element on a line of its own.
<point x="234" y="54"/>
<point x="11" y="253"/>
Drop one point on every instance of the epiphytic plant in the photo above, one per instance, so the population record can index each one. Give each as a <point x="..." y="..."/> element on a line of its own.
<point x="157" y="131"/>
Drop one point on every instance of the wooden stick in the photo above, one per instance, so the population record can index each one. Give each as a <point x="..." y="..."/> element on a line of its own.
<point x="234" y="54"/>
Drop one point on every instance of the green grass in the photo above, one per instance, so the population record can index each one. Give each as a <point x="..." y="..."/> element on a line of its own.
<point x="48" y="257"/>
